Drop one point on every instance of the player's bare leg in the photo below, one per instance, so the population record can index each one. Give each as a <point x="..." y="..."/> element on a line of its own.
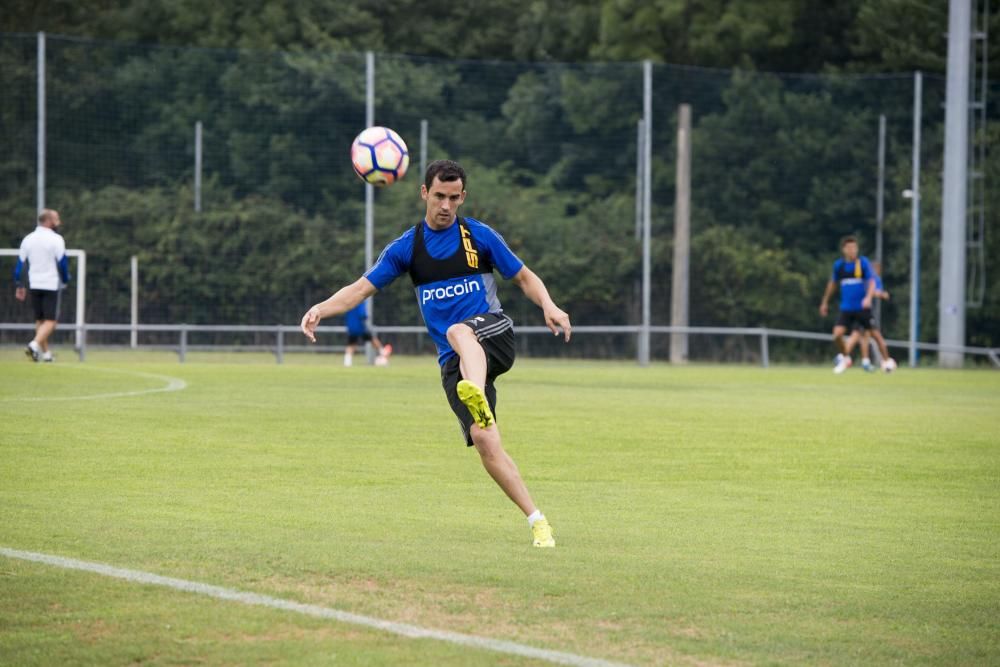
<point x="501" y="467"/>
<point x="845" y="346"/>
<point x="42" y="333"/>
<point x="471" y="355"/>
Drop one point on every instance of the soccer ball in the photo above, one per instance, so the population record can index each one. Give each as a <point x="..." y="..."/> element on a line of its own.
<point x="889" y="365"/>
<point x="379" y="156"/>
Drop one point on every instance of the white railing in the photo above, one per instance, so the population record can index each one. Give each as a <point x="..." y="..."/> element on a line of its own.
<point x="281" y="344"/>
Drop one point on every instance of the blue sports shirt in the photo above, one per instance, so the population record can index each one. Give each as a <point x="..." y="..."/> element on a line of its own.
<point x="853" y="278"/>
<point x="452" y="300"/>
<point x="355" y="319"/>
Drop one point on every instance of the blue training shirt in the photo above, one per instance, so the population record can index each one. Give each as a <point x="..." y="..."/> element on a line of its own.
<point x="452" y="300"/>
<point x="355" y="319"/>
<point x="853" y="278"/>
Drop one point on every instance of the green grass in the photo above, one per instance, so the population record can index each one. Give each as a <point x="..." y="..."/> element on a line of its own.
<point x="704" y="514"/>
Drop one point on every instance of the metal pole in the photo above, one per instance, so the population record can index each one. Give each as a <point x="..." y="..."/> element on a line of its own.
<point x="134" y="338"/>
<point x="81" y="301"/>
<point x="682" y="237"/>
<point x="640" y="172"/>
<point x="423" y="148"/>
<point x="647" y="113"/>
<point x="951" y="319"/>
<point x="880" y="206"/>
<point x="369" y="190"/>
<point x="41" y="124"/>
<point x="197" y="167"/>
<point x="918" y="96"/>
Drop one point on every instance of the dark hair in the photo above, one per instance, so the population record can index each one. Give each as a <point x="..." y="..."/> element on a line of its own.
<point x="444" y="170"/>
<point x="848" y="239"/>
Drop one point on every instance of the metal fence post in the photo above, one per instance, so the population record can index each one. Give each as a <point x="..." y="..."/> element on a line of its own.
<point x="279" y="352"/>
<point x="182" y="352"/>
<point x="765" y="355"/>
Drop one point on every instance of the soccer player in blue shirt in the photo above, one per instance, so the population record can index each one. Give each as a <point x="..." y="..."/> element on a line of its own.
<point x="356" y="322"/>
<point x="450" y="261"/>
<point x="866" y="335"/>
<point x="857" y="287"/>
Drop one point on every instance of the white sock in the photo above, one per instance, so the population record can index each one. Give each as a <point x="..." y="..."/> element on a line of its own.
<point x="348" y="358"/>
<point x="535" y="516"/>
<point x="34" y="346"/>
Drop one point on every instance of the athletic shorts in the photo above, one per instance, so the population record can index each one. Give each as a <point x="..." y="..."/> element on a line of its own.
<point x="45" y="303"/>
<point x="857" y="320"/>
<point x="496" y="334"/>
<point x="355" y="338"/>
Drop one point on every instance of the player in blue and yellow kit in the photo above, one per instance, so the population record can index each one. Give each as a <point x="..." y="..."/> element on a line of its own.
<point x="854" y="275"/>
<point x="356" y="323"/>
<point x="451" y="261"/>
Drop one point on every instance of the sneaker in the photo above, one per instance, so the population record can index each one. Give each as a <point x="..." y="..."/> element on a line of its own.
<point x="474" y="399"/>
<point x="867" y="365"/>
<point x="541" y="534"/>
<point x="32" y="352"/>
<point x="843" y="363"/>
<point x="348" y="361"/>
<point x="48" y="358"/>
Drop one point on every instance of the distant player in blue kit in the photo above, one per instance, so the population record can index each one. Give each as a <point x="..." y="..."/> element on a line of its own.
<point x="356" y="321"/>
<point x="451" y="261"/>
<point x="854" y="275"/>
<point x="866" y="335"/>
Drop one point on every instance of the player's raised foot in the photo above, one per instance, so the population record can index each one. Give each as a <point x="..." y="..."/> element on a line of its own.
<point x="867" y="365"/>
<point x="843" y="363"/>
<point x="474" y="399"/>
<point x="541" y="534"/>
<point x="32" y="351"/>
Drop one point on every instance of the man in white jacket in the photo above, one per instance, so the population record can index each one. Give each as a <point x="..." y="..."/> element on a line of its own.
<point x="44" y="251"/>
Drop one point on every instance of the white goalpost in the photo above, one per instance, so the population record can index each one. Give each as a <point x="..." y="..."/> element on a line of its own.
<point x="81" y="287"/>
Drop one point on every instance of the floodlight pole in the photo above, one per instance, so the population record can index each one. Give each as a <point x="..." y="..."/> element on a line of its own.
<point x="918" y="94"/>
<point x="41" y="123"/>
<point x="197" y="167"/>
<point x="951" y="313"/>
<point x="647" y="126"/>
<point x="134" y="337"/>
<point x="880" y="207"/>
<point x="423" y="147"/>
<point x="369" y="190"/>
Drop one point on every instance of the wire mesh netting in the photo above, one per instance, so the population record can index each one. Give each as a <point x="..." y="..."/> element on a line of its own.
<point x="783" y="166"/>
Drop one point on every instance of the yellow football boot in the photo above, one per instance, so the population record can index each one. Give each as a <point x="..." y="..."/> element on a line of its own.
<point x="542" y="534"/>
<point x="474" y="399"/>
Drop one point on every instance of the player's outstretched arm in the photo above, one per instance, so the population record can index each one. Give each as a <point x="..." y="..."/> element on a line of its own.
<point x="823" y="305"/>
<point x="343" y="300"/>
<point x="534" y="289"/>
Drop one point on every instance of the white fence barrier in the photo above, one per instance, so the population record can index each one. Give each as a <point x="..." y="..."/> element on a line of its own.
<point x="281" y="346"/>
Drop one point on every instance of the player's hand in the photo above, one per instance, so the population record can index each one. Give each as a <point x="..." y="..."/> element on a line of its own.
<point x="885" y="295"/>
<point x="823" y="309"/>
<point x="556" y="319"/>
<point x="309" y="323"/>
<point x="866" y="303"/>
<point x="20" y="293"/>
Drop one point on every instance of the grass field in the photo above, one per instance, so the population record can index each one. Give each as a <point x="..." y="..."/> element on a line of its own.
<point x="704" y="514"/>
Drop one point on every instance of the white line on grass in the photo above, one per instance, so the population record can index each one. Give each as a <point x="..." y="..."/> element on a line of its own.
<point x="173" y="384"/>
<point x="404" y="629"/>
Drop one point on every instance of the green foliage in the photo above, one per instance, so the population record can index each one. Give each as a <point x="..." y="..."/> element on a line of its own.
<point x="783" y="164"/>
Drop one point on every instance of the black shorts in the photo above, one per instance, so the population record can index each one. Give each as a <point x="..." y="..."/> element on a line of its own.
<point x="45" y="303"/>
<point x="496" y="334"/>
<point x="857" y="320"/>
<point x="355" y="338"/>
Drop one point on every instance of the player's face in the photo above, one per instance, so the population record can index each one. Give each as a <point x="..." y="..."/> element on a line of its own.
<point x="443" y="199"/>
<point x="850" y="251"/>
